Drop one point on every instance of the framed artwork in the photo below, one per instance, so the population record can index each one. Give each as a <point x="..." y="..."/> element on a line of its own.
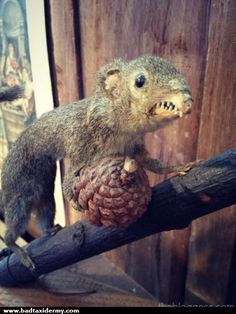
<point x="24" y="61"/>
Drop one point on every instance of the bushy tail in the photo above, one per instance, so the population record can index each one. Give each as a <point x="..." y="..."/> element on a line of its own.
<point x="11" y="93"/>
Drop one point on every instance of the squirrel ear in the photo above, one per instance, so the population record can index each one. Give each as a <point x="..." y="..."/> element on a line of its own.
<point x="112" y="83"/>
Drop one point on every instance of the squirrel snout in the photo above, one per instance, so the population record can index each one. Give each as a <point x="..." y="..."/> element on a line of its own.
<point x="185" y="104"/>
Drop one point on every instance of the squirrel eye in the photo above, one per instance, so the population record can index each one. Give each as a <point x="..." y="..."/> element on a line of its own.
<point x="140" y="80"/>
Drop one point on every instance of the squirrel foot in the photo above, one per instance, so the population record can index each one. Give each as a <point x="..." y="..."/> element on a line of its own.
<point x="75" y="206"/>
<point x="183" y="170"/>
<point x="23" y="255"/>
<point x="27" y="261"/>
<point x="52" y="231"/>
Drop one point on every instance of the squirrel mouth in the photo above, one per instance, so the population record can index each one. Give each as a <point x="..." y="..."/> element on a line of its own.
<point x="165" y="106"/>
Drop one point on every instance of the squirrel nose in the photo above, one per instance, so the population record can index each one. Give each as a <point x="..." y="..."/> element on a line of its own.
<point x="187" y="103"/>
<point x="186" y="108"/>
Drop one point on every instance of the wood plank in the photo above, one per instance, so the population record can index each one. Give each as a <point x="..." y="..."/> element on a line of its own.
<point x="65" y="65"/>
<point x="212" y="237"/>
<point x="176" y="30"/>
<point x="66" y="287"/>
<point x="64" y="50"/>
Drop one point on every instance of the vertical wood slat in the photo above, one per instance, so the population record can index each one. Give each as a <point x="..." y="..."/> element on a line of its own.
<point x="176" y="30"/>
<point x="64" y="50"/>
<point x="65" y="66"/>
<point x="212" y="237"/>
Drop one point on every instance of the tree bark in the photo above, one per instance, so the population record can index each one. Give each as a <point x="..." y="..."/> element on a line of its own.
<point x="175" y="202"/>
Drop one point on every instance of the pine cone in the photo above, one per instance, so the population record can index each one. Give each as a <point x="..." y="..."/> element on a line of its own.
<point x="113" y="192"/>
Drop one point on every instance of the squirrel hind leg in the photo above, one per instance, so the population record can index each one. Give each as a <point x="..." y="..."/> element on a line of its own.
<point x="17" y="215"/>
<point x="25" y="259"/>
<point x="46" y="215"/>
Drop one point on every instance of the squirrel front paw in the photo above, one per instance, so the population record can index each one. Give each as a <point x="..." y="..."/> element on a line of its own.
<point x="183" y="170"/>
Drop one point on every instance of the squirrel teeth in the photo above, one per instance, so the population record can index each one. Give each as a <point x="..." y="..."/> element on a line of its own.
<point x="167" y="105"/>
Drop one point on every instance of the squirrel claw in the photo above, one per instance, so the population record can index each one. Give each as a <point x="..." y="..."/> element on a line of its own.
<point x="24" y="258"/>
<point x="75" y="206"/>
<point x="182" y="171"/>
<point x="52" y="231"/>
<point x="28" y="262"/>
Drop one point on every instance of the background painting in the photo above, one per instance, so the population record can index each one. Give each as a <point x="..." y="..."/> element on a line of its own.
<point x="15" y="70"/>
<point x="24" y="61"/>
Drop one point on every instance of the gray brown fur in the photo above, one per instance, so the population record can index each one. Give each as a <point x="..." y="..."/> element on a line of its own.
<point x="112" y="121"/>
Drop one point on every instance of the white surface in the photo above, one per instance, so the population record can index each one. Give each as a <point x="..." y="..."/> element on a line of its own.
<point x="42" y="80"/>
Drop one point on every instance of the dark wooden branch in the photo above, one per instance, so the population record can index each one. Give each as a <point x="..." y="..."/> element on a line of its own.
<point x="175" y="203"/>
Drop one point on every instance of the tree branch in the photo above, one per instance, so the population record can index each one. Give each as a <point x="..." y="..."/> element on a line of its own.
<point x="175" y="203"/>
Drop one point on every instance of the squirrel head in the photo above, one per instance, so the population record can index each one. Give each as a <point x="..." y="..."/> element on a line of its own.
<point x="149" y="90"/>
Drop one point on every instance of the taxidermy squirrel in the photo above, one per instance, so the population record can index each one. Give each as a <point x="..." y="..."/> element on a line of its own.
<point x="130" y="99"/>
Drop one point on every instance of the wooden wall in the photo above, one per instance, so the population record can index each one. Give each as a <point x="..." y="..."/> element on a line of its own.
<point x="194" y="265"/>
